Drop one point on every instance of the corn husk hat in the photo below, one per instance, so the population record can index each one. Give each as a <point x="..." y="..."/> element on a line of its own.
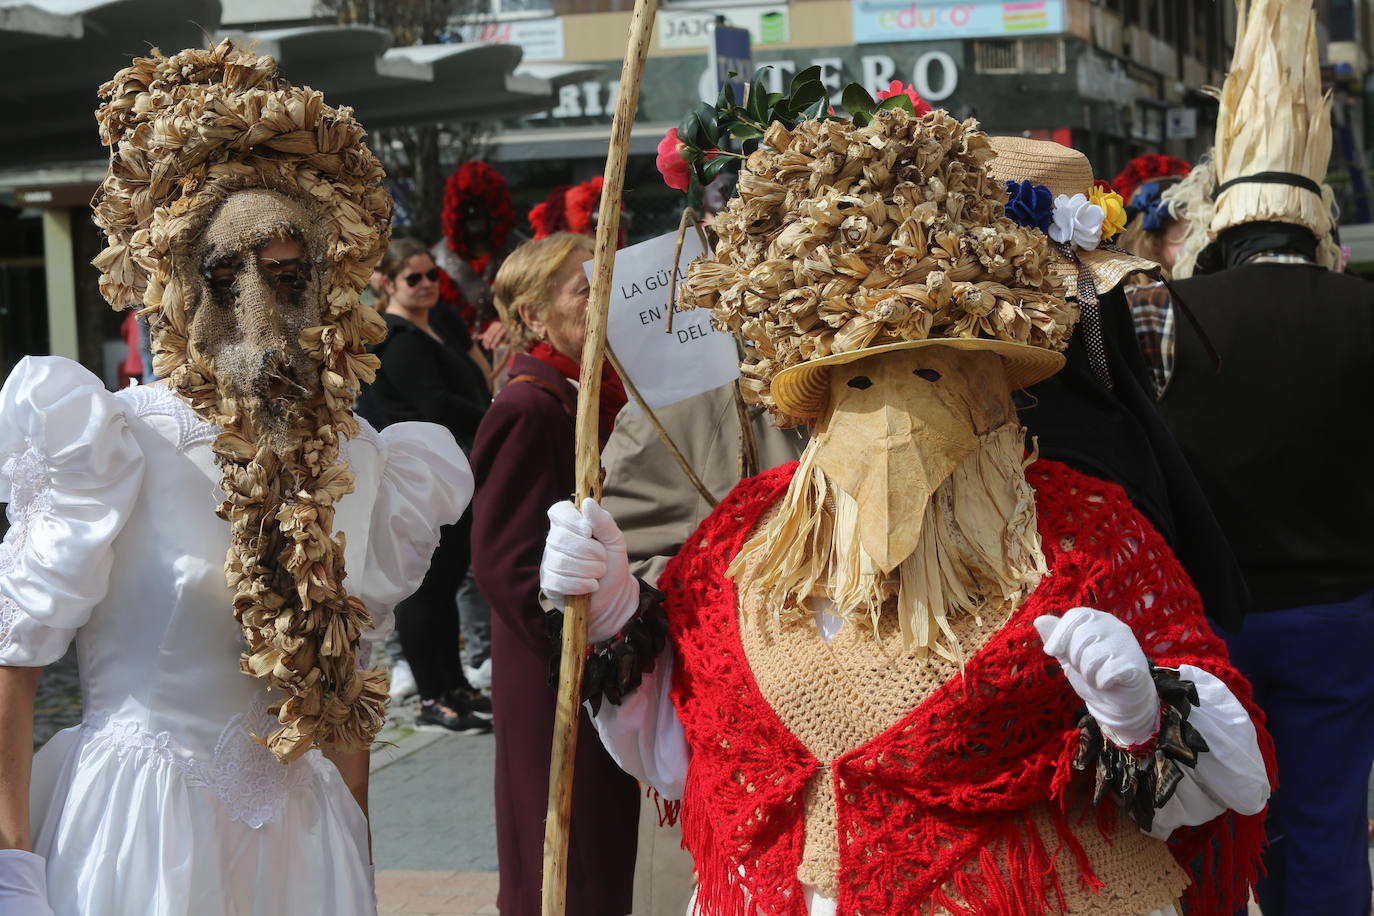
<point x="1273" y="135"/>
<point x="186" y="134"/>
<point x="848" y="240"/>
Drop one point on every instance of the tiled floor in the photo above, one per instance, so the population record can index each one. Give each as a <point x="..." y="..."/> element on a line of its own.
<point x="437" y="893"/>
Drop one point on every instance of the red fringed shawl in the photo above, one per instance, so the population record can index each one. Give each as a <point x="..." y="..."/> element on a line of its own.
<point x="923" y="805"/>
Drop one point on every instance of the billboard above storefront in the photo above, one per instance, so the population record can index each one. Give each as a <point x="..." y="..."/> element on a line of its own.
<point x="920" y="20"/>
<point x="680" y="29"/>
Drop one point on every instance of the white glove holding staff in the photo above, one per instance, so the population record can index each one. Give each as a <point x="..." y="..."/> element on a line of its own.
<point x="23" y="884"/>
<point x="1106" y="666"/>
<point x="585" y="554"/>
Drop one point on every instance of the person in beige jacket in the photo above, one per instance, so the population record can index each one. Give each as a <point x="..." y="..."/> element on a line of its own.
<point x="658" y="507"/>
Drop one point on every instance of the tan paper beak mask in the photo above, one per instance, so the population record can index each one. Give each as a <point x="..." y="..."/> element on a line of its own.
<point x="897" y="426"/>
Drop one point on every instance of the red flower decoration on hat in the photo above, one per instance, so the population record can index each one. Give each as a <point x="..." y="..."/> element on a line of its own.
<point x="896" y="87"/>
<point x="477" y="184"/>
<point x="671" y="162"/>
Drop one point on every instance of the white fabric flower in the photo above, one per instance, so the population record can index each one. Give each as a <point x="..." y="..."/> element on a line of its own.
<point x="1077" y="221"/>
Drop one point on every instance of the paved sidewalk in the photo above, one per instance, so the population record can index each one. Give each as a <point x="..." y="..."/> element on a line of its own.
<point x="433" y="823"/>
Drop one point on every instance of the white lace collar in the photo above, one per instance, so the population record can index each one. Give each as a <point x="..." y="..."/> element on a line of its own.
<point x="160" y="400"/>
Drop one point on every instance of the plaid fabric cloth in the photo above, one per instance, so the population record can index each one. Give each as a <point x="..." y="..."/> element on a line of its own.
<point x="1153" y="313"/>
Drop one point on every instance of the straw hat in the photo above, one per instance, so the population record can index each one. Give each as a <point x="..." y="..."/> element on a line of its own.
<point x="847" y="242"/>
<point x="1064" y="171"/>
<point x="1273" y="137"/>
<point x="801" y="390"/>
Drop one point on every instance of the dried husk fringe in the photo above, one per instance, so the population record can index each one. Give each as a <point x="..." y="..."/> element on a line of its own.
<point x="844" y="237"/>
<point x="979" y="550"/>
<point x="184" y="132"/>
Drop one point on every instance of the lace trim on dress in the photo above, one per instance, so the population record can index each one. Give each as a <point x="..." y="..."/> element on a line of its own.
<point x="242" y="774"/>
<point x="159" y="400"/>
<point x="30" y="496"/>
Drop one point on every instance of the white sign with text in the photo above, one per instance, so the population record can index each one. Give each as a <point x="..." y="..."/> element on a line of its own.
<point x="665" y="367"/>
<point x="539" y="39"/>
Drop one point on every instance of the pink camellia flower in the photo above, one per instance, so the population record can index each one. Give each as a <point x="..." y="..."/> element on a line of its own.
<point x="672" y="161"/>
<point x="896" y="88"/>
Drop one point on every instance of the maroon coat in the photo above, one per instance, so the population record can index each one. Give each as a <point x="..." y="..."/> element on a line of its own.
<point x="523" y="462"/>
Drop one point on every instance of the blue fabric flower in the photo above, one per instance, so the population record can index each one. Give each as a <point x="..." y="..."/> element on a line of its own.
<point x="1148" y="201"/>
<point x="1031" y="205"/>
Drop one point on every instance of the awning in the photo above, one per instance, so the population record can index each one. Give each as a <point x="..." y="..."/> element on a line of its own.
<point x="54" y="55"/>
<point x="386" y="86"/>
<point x="587" y="142"/>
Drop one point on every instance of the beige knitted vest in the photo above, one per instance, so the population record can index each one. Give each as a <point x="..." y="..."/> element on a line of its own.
<point x="839" y="695"/>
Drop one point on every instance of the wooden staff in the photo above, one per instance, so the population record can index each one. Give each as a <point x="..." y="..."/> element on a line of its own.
<point x="588" y="453"/>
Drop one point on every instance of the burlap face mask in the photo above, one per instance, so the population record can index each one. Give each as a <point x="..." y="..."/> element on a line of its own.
<point x="256" y="272"/>
<point x="897" y="425"/>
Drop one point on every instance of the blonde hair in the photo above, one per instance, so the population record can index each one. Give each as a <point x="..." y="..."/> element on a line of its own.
<point x="526" y="278"/>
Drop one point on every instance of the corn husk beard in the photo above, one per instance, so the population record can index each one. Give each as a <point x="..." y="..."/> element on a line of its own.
<point x="977" y="548"/>
<point x="282" y="411"/>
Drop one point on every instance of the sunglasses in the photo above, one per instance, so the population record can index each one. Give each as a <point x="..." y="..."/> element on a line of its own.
<point x="432" y="275"/>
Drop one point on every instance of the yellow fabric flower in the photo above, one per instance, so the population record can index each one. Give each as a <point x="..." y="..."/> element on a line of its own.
<point x="1113" y="210"/>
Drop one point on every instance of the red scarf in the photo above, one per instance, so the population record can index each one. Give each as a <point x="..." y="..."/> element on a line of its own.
<point x="613" y="395"/>
<point x="927" y="804"/>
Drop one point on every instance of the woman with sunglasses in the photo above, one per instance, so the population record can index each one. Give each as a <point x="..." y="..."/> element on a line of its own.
<point x="427" y="374"/>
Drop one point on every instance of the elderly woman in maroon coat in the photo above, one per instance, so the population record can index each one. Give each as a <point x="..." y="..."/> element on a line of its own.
<point x="523" y="461"/>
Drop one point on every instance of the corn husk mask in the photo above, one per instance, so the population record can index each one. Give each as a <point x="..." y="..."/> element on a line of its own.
<point x="911" y="499"/>
<point x="897" y="426"/>
<point x="215" y="163"/>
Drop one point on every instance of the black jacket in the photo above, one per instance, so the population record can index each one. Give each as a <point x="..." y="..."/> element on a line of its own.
<point x="1280" y="436"/>
<point x="423" y="379"/>
<point x="1118" y="435"/>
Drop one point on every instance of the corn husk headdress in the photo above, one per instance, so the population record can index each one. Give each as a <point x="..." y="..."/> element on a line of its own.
<point x="847" y="240"/>
<point x="1273" y="135"/>
<point x="185" y="132"/>
<point x="873" y="238"/>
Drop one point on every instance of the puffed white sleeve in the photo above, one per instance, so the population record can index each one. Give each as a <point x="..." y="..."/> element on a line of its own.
<point x="70" y="470"/>
<point x="1230" y="775"/>
<point x="426" y="483"/>
<point x="644" y="735"/>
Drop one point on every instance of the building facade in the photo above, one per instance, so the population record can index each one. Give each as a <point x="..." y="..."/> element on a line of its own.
<point x="1114" y="78"/>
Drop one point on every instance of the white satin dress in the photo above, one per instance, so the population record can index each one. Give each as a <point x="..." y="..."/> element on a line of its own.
<point x="161" y="803"/>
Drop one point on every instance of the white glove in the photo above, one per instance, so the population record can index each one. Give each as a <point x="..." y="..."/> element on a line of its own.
<point x="23" y="884"/>
<point x="585" y="554"/>
<point x="1104" y="662"/>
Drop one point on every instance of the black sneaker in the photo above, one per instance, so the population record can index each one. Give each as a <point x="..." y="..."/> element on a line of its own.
<point x="473" y="702"/>
<point x="456" y="721"/>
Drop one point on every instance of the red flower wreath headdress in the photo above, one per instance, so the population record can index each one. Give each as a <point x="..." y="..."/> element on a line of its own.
<point x="548" y="217"/>
<point x="1147" y="168"/>
<point x="570" y="209"/>
<point x="477" y="183"/>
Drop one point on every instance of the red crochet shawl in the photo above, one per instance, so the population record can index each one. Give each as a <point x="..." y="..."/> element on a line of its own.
<point x="923" y="805"/>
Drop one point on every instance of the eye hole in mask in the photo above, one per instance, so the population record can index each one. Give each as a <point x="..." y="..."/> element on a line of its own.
<point x="221" y="275"/>
<point x="861" y="382"/>
<point x="930" y="375"/>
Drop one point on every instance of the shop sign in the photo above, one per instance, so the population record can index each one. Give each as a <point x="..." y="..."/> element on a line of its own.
<point x="680" y="29"/>
<point x="668" y="82"/>
<point x="539" y="39"/>
<point x="1180" y="123"/>
<point x="920" y="20"/>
